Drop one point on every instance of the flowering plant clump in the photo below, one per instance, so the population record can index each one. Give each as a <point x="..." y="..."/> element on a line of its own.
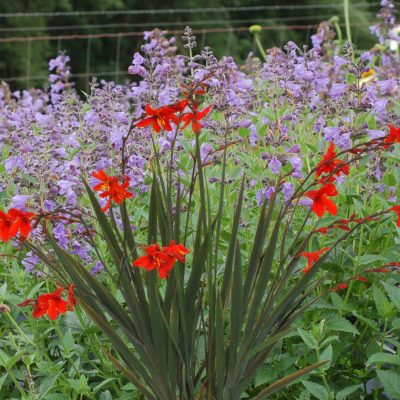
<point x="200" y="215"/>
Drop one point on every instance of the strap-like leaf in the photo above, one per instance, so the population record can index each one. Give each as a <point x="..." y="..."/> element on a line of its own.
<point x="284" y="382"/>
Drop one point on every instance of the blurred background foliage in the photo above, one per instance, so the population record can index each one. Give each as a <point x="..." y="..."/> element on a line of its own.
<point x="24" y="63"/>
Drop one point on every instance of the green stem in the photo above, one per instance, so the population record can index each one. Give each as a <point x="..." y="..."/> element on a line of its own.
<point x="13" y="378"/>
<point x="260" y="46"/>
<point x="378" y="366"/>
<point x="325" y="382"/>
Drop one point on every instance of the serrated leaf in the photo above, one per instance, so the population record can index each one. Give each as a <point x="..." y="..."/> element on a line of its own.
<point x="3" y="378"/>
<point x="384" y="358"/>
<point x="337" y="301"/>
<point x="393" y="292"/>
<point x="396" y="323"/>
<point x="316" y="390"/>
<point x="327" y="355"/>
<point x="308" y="339"/>
<point x="338" y="323"/>
<point x="382" y="304"/>
<point x="344" y="393"/>
<point x="371" y="258"/>
<point x="46" y="384"/>
<point x="391" y="382"/>
<point x="68" y="342"/>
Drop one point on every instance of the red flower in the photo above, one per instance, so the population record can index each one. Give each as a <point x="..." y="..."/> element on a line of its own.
<point x="323" y="230"/>
<point x="194" y="88"/>
<point x="393" y="136"/>
<point x="393" y="264"/>
<point x="51" y="304"/>
<point x="177" y="251"/>
<point x="111" y="188"/>
<point x="195" y="117"/>
<point x="330" y="164"/>
<point x="396" y="209"/>
<point x="71" y="298"/>
<point x="312" y="258"/>
<point x="382" y="270"/>
<point x="5" y="225"/>
<point x="159" y="118"/>
<point x="321" y="203"/>
<point x="161" y="259"/>
<point x="157" y="259"/>
<point x="13" y="222"/>
<point x="20" y="222"/>
<point x="360" y="278"/>
<point x="340" y="286"/>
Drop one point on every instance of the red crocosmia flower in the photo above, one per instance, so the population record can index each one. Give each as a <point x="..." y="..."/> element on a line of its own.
<point x="330" y="164"/>
<point x="194" y="117"/>
<point x="340" y="286"/>
<point x="159" y="118"/>
<point x="105" y="180"/>
<point x="323" y="230"/>
<point x="20" y="222"/>
<point x="51" y="304"/>
<point x="396" y="209"/>
<point x="157" y="259"/>
<point x="382" y="270"/>
<point x="312" y="258"/>
<point x="393" y="264"/>
<point x="71" y="298"/>
<point x="5" y="225"/>
<point x="177" y="251"/>
<point x="14" y="222"/>
<point x="111" y="188"/>
<point x="393" y="136"/>
<point x="161" y="259"/>
<point x="26" y="303"/>
<point x="321" y="203"/>
<point x="360" y="278"/>
<point x="193" y="89"/>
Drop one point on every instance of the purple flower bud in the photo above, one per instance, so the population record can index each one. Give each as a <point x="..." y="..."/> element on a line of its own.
<point x="253" y="137"/>
<point x="97" y="268"/>
<point x="263" y="194"/>
<point x="288" y="191"/>
<point x="19" y="201"/>
<point x="275" y="165"/>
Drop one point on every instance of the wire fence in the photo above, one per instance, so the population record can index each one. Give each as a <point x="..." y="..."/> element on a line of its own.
<point x="29" y="35"/>
<point x="172" y="11"/>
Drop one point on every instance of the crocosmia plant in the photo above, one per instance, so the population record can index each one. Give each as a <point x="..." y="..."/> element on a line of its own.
<point x="198" y="214"/>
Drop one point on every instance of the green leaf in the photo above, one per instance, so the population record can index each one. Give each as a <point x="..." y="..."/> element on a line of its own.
<point x="79" y="385"/>
<point x="68" y="341"/>
<point x="393" y="292"/>
<point x="2" y="379"/>
<point x="371" y="258"/>
<point x="337" y="323"/>
<point x="316" y="390"/>
<point x="386" y="358"/>
<point x="383" y="306"/>
<point x="337" y="301"/>
<point x="284" y="382"/>
<point x="391" y="382"/>
<point x="396" y="323"/>
<point x="308" y="339"/>
<point x="46" y="384"/>
<point x="327" y="355"/>
<point x="346" y="392"/>
<point x="106" y="395"/>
